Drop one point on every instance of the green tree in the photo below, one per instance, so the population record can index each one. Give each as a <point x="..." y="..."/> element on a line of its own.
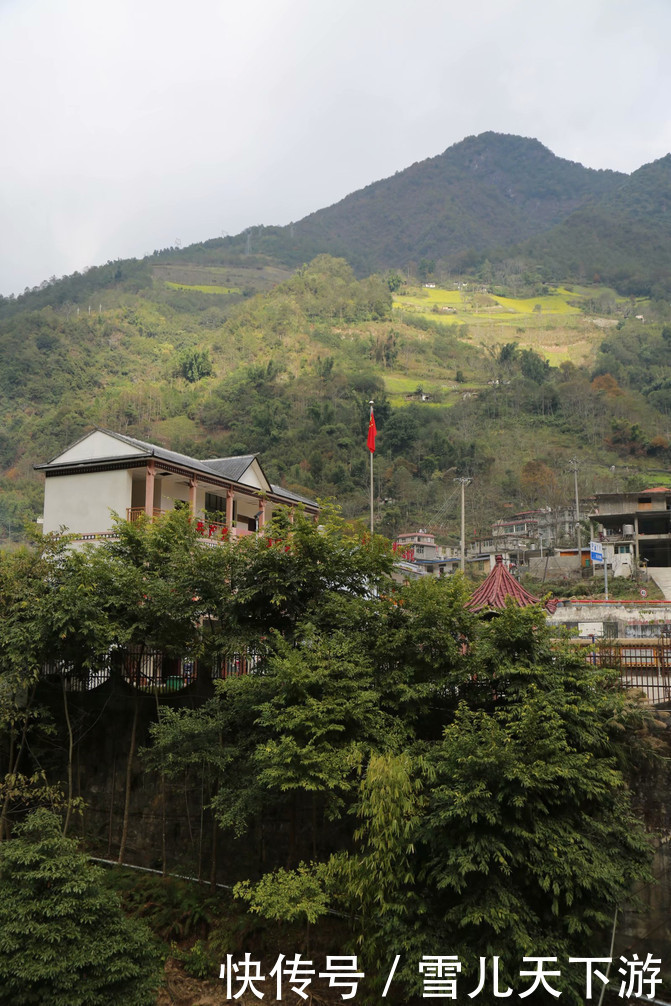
<point x="525" y="836"/>
<point x="394" y="281"/>
<point x="305" y="723"/>
<point x="379" y="882"/>
<point x="425" y="268"/>
<point x="64" y="940"/>
<point x="320" y="725"/>
<point x="505" y="826"/>
<point x="533" y="366"/>
<point x="26" y="581"/>
<point x="277" y="579"/>
<point x="195" y="364"/>
<point x="400" y="431"/>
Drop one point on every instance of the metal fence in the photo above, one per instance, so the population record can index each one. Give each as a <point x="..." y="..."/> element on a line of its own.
<point x="148" y="670"/>
<point x="644" y="665"/>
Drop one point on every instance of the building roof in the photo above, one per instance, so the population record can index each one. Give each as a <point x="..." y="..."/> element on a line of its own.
<point x="633" y="493"/>
<point x="296" y="497"/>
<point x="232" y="469"/>
<point x="498" y="587"/>
<point x="416" y="534"/>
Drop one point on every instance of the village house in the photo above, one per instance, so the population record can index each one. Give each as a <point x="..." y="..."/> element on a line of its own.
<point x="637" y="525"/>
<point x="529" y="531"/>
<point x="416" y="554"/>
<point x="106" y="472"/>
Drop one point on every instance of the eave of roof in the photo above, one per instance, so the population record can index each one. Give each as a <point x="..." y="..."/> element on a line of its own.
<point x="211" y="467"/>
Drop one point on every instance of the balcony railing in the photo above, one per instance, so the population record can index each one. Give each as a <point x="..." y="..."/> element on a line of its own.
<point x="210" y="529"/>
<point x="134" y="513"/>
<point x="213" y="530"/>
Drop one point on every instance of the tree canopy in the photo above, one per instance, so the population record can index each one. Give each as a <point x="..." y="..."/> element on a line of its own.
<point x="64" y="940"/>
<point x="439" y="778"/>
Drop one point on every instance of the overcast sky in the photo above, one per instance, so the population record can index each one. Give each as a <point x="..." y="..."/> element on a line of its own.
<point x="128" y="125"/>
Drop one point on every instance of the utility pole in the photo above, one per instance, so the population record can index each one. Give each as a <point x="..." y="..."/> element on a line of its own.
<point x="463" y="482"/>
<point x="574" y="464"/>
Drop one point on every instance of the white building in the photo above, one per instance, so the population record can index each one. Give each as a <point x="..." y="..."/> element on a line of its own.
<point x="107" y="472"/>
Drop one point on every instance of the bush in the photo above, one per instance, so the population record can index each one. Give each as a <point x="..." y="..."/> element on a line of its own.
<point x="64" y="940"/>
<point x="198" y="962"/>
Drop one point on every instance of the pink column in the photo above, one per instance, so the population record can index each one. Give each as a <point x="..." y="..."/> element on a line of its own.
<point x="262" y="513"/>
<point x="193" y="485"/>
<point x="229" y="509"/>
<point x="149" y="489"/>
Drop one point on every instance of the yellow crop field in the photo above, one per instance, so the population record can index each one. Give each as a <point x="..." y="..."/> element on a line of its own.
<point x="552" y="324"/>
<point x="457" y="306"/>
<point x="452" y="297"/>
<point x="196" y="288"/>
<point x="553" y="303"/>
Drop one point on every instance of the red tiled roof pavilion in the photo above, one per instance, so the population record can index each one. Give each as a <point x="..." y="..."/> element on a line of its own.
<point x="498" y="587"/>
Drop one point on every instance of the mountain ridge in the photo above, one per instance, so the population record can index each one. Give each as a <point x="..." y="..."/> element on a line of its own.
<point x="490" y="196"/>
<point x="488" y="191"/>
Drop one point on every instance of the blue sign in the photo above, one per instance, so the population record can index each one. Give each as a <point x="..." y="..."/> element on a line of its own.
<point x="596" y="551"/>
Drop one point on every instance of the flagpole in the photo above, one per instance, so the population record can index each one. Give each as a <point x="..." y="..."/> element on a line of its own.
<point x="371" y="474"/>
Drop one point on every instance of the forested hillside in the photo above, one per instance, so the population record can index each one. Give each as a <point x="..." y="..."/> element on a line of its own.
<point x="519" y="316"/>
<point x="623" y="238"/>
<point x="485" y="192"/>
<point x="504" y="200"/>
<point x="465" y="382"/>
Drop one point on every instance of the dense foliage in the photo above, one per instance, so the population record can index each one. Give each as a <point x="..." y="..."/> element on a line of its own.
<point x="485" y="765"/>
<point x="497" y="822"/>
<point x="64" y="940"/>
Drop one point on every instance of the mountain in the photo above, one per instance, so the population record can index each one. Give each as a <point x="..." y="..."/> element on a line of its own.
<point x="494" y="196"/>
<point x="234" y="345"/>
<point x="502" y="198"/>
<point x="623" y="238"/>
<point x="486" y="192"/>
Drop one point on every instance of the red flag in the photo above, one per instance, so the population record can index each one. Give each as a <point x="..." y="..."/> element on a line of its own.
<point x="372" y="430"/>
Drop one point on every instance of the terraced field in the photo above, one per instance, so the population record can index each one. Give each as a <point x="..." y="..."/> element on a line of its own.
<point x="555" y="324"/>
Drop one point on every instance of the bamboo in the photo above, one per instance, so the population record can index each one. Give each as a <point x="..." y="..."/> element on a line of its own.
<point x="13" y="765"/>
<point x="68" y="813"/>
<point x="129" y="776"/>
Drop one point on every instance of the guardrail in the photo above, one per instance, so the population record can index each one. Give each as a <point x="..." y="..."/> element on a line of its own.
<point x="212" y="530"/>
